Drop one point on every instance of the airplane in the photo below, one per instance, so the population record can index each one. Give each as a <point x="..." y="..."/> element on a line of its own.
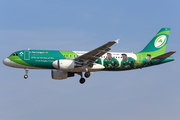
<point x="64" y="64"/>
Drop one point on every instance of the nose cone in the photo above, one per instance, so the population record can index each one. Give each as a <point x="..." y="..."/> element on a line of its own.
<point x="6" y="61"/>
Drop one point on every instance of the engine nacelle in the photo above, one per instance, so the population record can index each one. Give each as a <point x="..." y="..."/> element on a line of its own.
<point x="64" y="64"/>
<point x="69" y="65"/>
<point x="59" y="75"/>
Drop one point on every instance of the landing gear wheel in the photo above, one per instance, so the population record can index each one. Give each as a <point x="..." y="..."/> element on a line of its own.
<point x="82" y="80"/>
<point x="87" y="74"/>
<point x="25" y="76"/>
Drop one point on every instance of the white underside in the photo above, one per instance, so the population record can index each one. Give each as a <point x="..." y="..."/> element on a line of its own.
<point x="10" y="63"/>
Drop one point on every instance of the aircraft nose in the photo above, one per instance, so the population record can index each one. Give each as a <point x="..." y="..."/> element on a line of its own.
<point x="6" y="61"/>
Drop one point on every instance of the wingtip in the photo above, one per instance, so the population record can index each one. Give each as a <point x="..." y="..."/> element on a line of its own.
<point x="117" y="41"/>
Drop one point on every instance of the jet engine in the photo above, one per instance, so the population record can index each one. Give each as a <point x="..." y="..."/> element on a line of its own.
<point x="59" y="75"/>
<point x="64" y="64"/>
<point x="69" y="65"/>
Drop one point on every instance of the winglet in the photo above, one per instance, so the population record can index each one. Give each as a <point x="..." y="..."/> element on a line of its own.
<point x="117" y="41"/>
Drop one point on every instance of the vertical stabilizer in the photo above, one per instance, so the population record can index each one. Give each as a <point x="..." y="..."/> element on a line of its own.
<point x="159" y="42"/>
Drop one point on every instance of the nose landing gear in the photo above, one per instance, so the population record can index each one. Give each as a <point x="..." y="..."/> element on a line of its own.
<point x="26" y="75"/>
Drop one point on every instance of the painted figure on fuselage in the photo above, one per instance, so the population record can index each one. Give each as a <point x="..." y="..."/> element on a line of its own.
<point x="128" y="62"/>
<point x="110" y="62"/>
<point x="147" y="61"/>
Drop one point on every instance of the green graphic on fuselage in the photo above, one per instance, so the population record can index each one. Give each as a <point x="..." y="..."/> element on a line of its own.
<point x="18" y="60"/>
<point x="40" y="58"/>
<point x="69" y="54"/>
<point x="45" y="58"/>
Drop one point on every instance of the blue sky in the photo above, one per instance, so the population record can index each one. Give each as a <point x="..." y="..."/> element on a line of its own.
<point x="147" y="94"/>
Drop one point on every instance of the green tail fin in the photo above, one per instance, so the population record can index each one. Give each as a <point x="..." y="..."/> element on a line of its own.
<point x="157" y="45"/>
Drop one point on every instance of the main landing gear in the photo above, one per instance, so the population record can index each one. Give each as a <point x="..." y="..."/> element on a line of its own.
<point x="87" y="74"/>
<point x="26" y="75"/>
<point x="82" y="80"/>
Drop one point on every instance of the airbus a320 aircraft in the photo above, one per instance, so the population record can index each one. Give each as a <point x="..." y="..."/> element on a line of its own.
<point x="64" y="64"/>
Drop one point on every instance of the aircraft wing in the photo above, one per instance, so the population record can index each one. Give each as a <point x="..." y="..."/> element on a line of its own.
<point x="163" y="56"/>
<point x="90" y="57"/>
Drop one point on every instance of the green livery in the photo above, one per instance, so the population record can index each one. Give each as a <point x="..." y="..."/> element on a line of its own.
<point x="109" y="63"/>
<point x="67" y="63"/>
<point x="157" y="46"/>
<point x="145" y="62"/>
<point x="129" y="62"/>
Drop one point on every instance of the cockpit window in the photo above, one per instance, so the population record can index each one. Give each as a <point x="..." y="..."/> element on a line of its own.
<point x="14" y="54"/>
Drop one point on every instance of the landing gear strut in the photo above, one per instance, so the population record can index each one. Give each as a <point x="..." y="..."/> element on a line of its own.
<point x="26" y="75"/>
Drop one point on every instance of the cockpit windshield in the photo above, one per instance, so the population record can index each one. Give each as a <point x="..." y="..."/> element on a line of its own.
<point x="14" y="54"/>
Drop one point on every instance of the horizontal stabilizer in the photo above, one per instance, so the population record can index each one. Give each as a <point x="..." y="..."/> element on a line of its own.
<point x="163" y="56"/>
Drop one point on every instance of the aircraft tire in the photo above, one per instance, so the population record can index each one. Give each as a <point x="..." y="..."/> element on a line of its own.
<point x="87" y="74"/>
<point x="25" y="76"/>
<point x="82" y="80"/>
